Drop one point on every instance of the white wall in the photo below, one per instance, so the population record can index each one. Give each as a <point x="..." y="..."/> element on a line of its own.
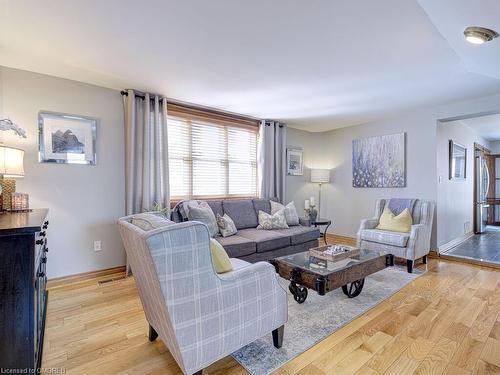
<point x="346" y="205"/>
<point x="495" y="147"/>
<point x="455" y="214"/>
<point x="84" y="201"/>
<point x="300" y="188"/>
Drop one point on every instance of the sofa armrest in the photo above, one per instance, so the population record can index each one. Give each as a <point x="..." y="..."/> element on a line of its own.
<point x="419" y="241"/>
<point x="366" y="224"/>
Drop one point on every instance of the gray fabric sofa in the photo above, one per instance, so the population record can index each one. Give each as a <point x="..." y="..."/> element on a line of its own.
<point x="253" y="244"/>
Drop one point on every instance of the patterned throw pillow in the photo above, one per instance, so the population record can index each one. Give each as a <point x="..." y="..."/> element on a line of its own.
<point x="203" y="213"/>
<point x="226" y="225"/>
<point x="275" y="221"/>
<point x="292" y="218"/>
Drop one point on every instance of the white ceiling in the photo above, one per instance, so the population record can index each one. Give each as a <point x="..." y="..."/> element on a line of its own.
<point x="487" y="127"/>
<point x="314" y="64"/>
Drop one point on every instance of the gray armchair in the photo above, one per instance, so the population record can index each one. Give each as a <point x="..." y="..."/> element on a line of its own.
<point x="200" y="315"/>
<point x="409" y="246"/>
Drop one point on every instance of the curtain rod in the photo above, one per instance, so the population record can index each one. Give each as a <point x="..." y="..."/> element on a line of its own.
<point x="194" y="106"/>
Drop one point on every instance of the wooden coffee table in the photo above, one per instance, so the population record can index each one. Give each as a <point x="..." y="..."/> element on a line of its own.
<point x="308" y="272"/>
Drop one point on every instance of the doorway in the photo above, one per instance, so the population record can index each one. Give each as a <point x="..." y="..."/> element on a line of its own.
<point x="475" y="197"/>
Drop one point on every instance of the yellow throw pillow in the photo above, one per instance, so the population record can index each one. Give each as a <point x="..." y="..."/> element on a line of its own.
<point x="400" y="223"/>
<point x="220" y="259"/>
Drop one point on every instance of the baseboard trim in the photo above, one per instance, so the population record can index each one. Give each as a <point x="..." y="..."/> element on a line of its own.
<point x="475" y="262"/>
<point x="82" y="277"/>
<point x="454" y="243"/>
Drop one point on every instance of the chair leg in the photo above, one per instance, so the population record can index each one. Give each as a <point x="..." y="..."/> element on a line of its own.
<point x="152" y="334"/>
<point x="424" y="259"/>
<point x="278" y="336"/>
<point x="409" y="265"/>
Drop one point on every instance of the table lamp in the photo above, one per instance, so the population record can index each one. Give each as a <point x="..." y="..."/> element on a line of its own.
<point x="320" y="176"/>
<point x="11" y="166"/>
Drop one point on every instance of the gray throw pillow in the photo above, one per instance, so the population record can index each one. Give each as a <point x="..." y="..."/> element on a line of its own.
<point x="292" y="218"/>
<point x="203" y="213"/>
<point x="276" y="221"/>
<point x="226" y="225"/>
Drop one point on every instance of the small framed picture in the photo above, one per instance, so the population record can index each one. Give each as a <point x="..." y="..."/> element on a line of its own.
<point x="294" y="162"/>
<point x="458" y="161"/>
<point x="66" y="138"/>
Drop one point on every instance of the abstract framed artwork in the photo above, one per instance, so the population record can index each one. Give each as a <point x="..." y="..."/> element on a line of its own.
<point x="66" y="138"/>
<point x="379" y="162"/>
<point x="294" y="162"/>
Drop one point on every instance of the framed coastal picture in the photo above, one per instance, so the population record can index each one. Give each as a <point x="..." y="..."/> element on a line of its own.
<point x="379" y="162"/>
<point x="65" y="138"/>
<point x="294" y="162"/>
<point x="458" y="161"/>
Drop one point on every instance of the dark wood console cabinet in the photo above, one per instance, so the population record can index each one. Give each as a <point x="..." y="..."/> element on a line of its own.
<point x="23" y="298"/>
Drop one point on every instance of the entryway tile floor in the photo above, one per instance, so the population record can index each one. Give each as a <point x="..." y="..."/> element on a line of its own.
<point x="483" y="247"/>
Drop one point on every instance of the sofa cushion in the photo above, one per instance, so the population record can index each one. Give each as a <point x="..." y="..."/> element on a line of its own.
<point x="262" y="205"/>
<point x="299" y="234"/>
<point x="385" y="237"/>
<point x="242" y="212"/>
<point x="237" y="246"/>
<point x="216" y="207"/>
<point x="265" y="239"/>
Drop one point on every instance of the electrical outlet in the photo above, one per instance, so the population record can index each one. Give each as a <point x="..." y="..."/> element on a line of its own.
<point x="97" y="246"/>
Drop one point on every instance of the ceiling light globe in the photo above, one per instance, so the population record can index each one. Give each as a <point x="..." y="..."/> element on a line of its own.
<point x="479" y="35"/>
<point x="474" y="39"/>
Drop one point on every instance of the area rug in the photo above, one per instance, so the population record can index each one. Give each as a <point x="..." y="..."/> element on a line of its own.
<point x="318" y="317"/>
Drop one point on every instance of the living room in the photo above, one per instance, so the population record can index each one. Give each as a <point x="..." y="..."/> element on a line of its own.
<point x="254" y="109"/>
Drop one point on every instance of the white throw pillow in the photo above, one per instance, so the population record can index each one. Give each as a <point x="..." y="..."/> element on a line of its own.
<point x="226" y="225"/>
<point x="292" y="218"/>
<point x="276" y="221"/>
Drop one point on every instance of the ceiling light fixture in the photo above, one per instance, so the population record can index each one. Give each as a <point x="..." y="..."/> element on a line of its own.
<point x="479" y="35"/>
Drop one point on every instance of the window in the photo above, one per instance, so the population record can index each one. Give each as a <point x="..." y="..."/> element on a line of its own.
<point x="211" y="155"/>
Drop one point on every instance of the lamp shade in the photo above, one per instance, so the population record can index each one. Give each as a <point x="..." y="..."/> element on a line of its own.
<point x="11" y="162"/>
<point x="320" y="175"/>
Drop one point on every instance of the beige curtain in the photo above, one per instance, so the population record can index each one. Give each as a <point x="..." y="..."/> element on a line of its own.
<point x="146" y="152"/>
<point x="271" y="155"/>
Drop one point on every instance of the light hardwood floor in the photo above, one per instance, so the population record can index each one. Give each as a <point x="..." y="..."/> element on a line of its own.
<point x="445" y="322"/>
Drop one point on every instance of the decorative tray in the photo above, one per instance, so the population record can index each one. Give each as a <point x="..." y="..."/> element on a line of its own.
<point x="334" y="252"/>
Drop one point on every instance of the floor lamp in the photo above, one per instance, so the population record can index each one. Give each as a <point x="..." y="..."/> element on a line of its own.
<point x="320" y="176"/>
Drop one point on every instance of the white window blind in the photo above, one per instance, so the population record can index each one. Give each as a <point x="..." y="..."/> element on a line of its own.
<point x="211" y="158"/>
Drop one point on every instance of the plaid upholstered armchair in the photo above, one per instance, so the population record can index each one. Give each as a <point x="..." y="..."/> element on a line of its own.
<point x="409" y="246"/>
<point x="200" y="315"/>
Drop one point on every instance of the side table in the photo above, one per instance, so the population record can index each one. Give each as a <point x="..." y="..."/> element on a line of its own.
<point x="319" y="222"/>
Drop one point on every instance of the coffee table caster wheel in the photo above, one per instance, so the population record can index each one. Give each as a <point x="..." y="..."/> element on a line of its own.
<point x="354" y="289"/>
<point x="299" y="292"/>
